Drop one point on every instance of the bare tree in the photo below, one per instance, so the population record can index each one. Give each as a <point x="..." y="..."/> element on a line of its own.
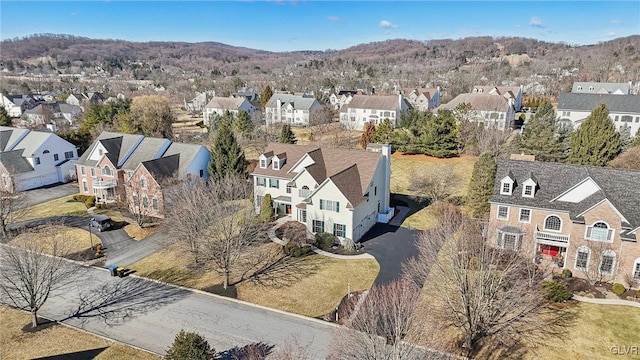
<point x="293" y="349"/>
<point x="436" y="184"/>
<point x="29" y="273"/>
<point x="216" y="221"/>
<point x="383" y="326"/>
<point x="11" y="202"/>
<point x="320" y="119"/>
<point x="488" y="295"/>
<point x="595" y="261"/>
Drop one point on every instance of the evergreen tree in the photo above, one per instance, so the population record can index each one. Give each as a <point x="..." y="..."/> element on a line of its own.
<point x="367" y="135"/>
<point x="439" y="136"/>
<point x="227" y="158"/>
<point x="596" y="142"/>
<point x="190" y="346"/>
<point x="267" y="93"/>
<point x="242" y="124"/>
<point x="625" y="137"/>
<point x="481" y="185"/>
<point x="266" y="208"/>
<point x="383" y="132"/>
<point x="5" y="119"/>
<point x="286" y="135"/>
<point x="636" y="139"/>
<point x="540" y="137"/>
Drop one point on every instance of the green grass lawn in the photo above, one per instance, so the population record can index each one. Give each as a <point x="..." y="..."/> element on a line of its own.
<point x="57" y="207"/>
<point x="316" y="287"/>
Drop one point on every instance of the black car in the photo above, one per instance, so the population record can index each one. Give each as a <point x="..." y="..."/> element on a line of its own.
<point x="101" y="222"/>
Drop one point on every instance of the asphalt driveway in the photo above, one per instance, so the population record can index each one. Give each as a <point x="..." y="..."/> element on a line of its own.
<point x="47" y="193"/>
<point x="391" y="246"/>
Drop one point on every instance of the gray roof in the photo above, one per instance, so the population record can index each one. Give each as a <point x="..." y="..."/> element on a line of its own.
<point x="377" y="102"/>
<point x="14" y="163"/>
<point x="600" y="87"/>
<point x="480" y="102"/>
<point x="225" y="103"/>
<point x="298" y="102"/>
<point x="620" y="186"/>
<point x="32" y="142"/>
<point x="587" y="102"/>
<point x="148" y="149"/>
<point x="116" y="144"/>
<point x="186" y="151"/>
<point x="11" y="140"/>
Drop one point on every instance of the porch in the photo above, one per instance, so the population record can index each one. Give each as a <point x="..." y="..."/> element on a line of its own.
<point x="282" y="205"/>
<point x="550" y="249"/>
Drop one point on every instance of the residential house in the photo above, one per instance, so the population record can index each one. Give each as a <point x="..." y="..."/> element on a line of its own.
<point x="17" y="104"/>
<point x="198" y="103"/>
<point x="601" y="88"/>
<point x="111" y="168"/>
<point x="45" y="113"/>
<point x="372" y="108"/>
<point x="248" y="94"/>
<point x="582" y="218"/>
<point x="341" y="98"/>
<point x="574" y="108"/>
<point x="422" y="98"/>
<point x="80" y="99"/>
<point x="290" y="109"/>
<point x="491" y="110"/>
<point x="511" y="93"/>
<point x="344" y="192"/>
<point x="31" y="159"/>
<point x="219" y="105"/>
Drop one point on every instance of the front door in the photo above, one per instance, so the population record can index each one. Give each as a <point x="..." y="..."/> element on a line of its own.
<point x="288" y="209"/>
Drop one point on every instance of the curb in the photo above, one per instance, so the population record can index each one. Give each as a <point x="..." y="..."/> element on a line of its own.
<point x="615" y="302"/>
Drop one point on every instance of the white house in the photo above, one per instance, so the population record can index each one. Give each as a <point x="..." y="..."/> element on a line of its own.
<point x="511" y="93"/>
<point x="340" y="191"/>
<point x="624" y="110"/>
<point x="422" y="98"/>
<point x="490" y="110"/>
<point x="601" y="88"/>
<point x="31" y="159"/>
<point x="17" y="104"/>
<point x="290" y="109"/>
<point x="218" y="105"/>
<point x="372" y="108"/>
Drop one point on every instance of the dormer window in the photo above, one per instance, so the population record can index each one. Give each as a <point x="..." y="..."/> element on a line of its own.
<point x="263" y="163"/>
<point x="276" y="164"/>
<point x="506" y="186"/>
<point x="529" y="188"/>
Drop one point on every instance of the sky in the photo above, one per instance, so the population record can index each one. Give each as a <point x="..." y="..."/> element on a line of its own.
<point x="320" y="25"/>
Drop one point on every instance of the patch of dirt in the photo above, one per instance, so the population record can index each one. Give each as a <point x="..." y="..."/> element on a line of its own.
<point x="230" y="291"/>
<point x="344" y="309"/>
<point x="43" y="324"/>
<point x="431" y="159"/>
<point x="84" y="255"/>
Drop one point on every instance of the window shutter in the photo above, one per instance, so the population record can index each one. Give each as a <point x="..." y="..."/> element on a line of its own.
<point x="610" y="235"/>
<point x="588" y="232"/>
<point x="321" y="204"/>
<point x="334" y="229"/>
<point x="344" y="228"/>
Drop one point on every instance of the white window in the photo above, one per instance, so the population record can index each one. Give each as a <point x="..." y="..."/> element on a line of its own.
<point x="288" y="189"/>
<point x="143" y="182"/>
<point x="135" y="200"/>
<point x="552" y="222"/>
<point x="82" y="170"/>
<point x="85" y="186"/>
<point x="636" y="269"/>
<point x="260" y="181"/>
<point x="318" y="226"/>
<point x="599" y="231"/>
<point x="582" y="258"/>
<point x="304" y="192"/>
<point x="68" y="154"/>
<point x="340" y="230"/>
<point x="259" y="200"/>
<point x="145" y="202"/>
<point x="330" y="205"/>
<point x="274" y="183"/>
<point x="154" y="203"/>
<point x="55" y="157"/>
<point x="106" y="171"/>
<point x="263" y="163"/>
<point x="36" y="160"/>
<point x="302" y="216"/>
<point x="527" y="191"/>
<point x="93" y="172"/>
<point x="525" y="215"/>
<point x="607" y="262"/>
<point x="509" y="241"/>
<point x="275" y="164"/>
<point x="503" y="212"/>
<point x="506" y="186"/>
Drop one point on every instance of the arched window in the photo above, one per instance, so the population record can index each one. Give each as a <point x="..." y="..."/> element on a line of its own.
<point x="552" y="222"/>
<point x="143" y="182"/>
<point x="583" y="255"/>
<point x="154" y="203"/>
<point x="45" y="152"/>
<point x="305" y="192"/>
<point x="106" y="170"/>
<point x="145" y="202"/>
<point x="636" y="270"/>
<point x="599" y="231"/>
<point x="135" y="200"/>
<point x="607" y="262"/>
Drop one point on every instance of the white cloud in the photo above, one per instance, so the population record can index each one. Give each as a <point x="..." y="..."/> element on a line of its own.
<point x="387" y="24"/>
<point x="334" y="19"/>
<point x="537" y="22"/>
<point x="611" y="34"/>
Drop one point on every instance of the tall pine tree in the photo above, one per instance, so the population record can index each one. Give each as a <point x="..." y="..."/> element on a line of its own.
<point x="5" y="119"/>
<point x="596" y="142"/>
<point x="227" y="158"/>
<point x="242" y="124"/>
<point x="481" y="185"/>
<point x="383" y="132"/>
<point x="286" y="135"/>
<point x="625" y="137"/>
<point x="439" y="136"/>
<point x="540" y="137"/>
<point x="367" y="134"/>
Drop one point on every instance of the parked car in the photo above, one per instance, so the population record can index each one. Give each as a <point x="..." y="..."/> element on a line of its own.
<point x="101" y="222"/>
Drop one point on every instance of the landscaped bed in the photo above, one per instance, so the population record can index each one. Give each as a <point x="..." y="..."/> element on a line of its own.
<point x="584" y="288"/>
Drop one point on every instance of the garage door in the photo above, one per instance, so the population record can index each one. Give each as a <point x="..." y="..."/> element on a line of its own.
<point x="50" y="178"/>
<point x="29" y="183"/>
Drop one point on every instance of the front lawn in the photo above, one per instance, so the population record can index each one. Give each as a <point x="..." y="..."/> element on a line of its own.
<point x="57" y="341"/>
<point x="69" y="240"/>
<point x="57" y="207"/>
<point x="310" y="286"/>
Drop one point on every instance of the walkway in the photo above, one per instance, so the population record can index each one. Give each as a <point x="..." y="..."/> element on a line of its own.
<point x="607" y="301"/>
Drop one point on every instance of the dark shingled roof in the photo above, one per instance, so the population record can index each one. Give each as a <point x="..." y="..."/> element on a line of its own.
<point x="587" y="102"/>
<point x="620" y="186"/>
<point x="14" y="163"/>
<point x="163" y="167"/>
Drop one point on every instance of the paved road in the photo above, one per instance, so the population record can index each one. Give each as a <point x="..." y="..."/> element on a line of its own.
<point x="47" y="193"/>
<point x="149" y="314"/>
<point x="391" y="246"/>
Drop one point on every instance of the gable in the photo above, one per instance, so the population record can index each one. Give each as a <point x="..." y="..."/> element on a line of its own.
<point x="304" y="162"/>
<point x="579" y="192"/>
<point x="98" y="152"/>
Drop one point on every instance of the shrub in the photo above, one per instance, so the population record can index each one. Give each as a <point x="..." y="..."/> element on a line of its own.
<point x="325" y="240"/>
<point x="618" y="289"/>
<point x="90" y="201"/>
<point x="266" y="208"/>
<point x="189" y="346"/>
<point x="296" y="251"/>
<point x="566" y="273"/>
<point x="80" y="197"/>
<point x="348" y="244"/>
<point x="556" y="292"/>
<point x="101" y="206"/>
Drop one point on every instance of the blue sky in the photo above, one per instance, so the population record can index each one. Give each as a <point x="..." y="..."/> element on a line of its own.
<point x="321" y="25"/>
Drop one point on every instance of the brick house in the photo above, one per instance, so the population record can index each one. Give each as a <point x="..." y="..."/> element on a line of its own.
<point x="344" y="192"/>
<point x="582" y="218"/>
<point x="108" y="165"/>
